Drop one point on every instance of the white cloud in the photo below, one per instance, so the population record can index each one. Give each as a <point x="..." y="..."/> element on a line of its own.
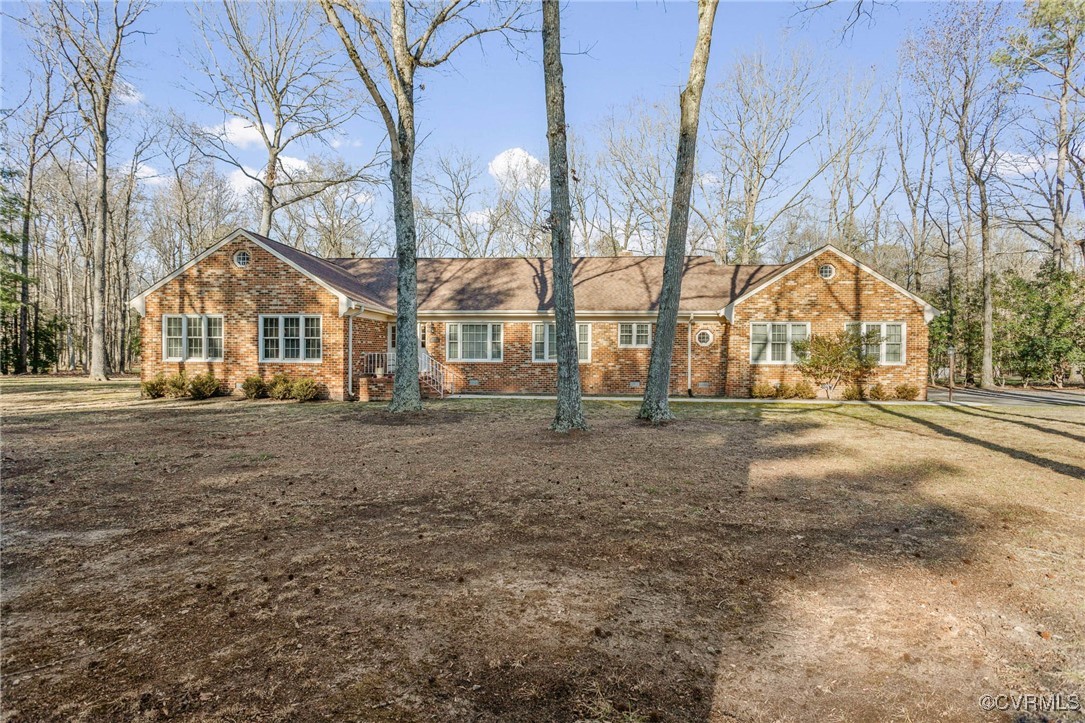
<point x="479" y="218"/>
<point x="149" y="175"/>
<point x="343" y="142"/>
<point x="1023" y="164"/>
<point x="240" y="182"/>
<point x="710" y="179"/>
<point x="128" y="95"/>
<point x="516" y="167"/>
<point x="239" y="132"/>
<point x="293" y="165"/>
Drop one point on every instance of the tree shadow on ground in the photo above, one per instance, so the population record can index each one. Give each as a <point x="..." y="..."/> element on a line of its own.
<point x="284" y="562"/>
<point x="1070" y="470"/>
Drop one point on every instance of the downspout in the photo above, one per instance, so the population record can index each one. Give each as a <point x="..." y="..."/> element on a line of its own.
<point x="689" y="356"/>
<point x="350" y="356"/>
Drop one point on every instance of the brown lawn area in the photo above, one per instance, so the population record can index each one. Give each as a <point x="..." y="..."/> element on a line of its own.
<point x="239" y="561"/>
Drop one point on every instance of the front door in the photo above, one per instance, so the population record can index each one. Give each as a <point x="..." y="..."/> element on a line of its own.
<point x="392" y="338"/>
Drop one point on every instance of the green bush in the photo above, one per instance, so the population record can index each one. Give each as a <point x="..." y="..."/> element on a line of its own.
<point x="154" y="388"/>
<point x="785" y="391"/>
<point x="280" y="387"/>
<point x="853" y="393"/>
<point x="305" y="389"/>
<point x="203" y="386"/>
<point x="254" y="388"/>
<point x="763" y="390"/>
<point x="907" y="391"/>
<point x="805" y="390"/>
<point x="177" y="386"/>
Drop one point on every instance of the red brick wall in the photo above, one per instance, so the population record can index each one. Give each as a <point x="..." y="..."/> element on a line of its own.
<point x="851" y="295"/>
<point x="265" y="286"/>
<point x="612" y="370"/>
<point x="268" y="286"/>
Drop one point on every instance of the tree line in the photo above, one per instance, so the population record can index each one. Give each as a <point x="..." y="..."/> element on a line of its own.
<point x="959" y="174"/>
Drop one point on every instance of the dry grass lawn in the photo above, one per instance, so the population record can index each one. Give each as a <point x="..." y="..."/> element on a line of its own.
<point x="241" y="561"/>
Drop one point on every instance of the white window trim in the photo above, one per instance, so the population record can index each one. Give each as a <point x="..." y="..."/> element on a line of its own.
<point x="711" y="337"/>
<point x="881" y="347"/>
<point x="635" y="345"/>
<point x="421" y="333"/>
<point x="546" y="343"/>
<point x="489" y="341"/>
<point x="282" y="345"/>
<point x="184" y="338"/>
<point x="790" y="361"/>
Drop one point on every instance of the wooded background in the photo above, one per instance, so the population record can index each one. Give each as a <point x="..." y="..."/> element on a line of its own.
<point x="963" y="178"/>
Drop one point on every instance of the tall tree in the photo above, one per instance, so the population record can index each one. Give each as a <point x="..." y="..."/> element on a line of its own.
<point x="277" y="87"/>
<point x="655" y="406"/>
<point x="956" y="47"/>
<point x="90" y="38"/>
<point x="395" y="48"/>
<point x="41" y="135"/>
<point x="769" y="112"/>
<point x="570" y="411"/>
<point x="1049" y="58"/>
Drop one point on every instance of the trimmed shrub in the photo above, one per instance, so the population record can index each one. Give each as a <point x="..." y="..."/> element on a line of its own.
<point x="177" y="386"/>
<point x="880" y="393"/>
<point x="254" y="388"/>
<point x="805" y="390"/>
<point x="203" y="386"/>
<point x="907" y="391"/>
<point x="154" y="388"/>
<point x="763" y="390"/>
<point x="280" y="387"/>
<point x="853" y="393"/>
<point x="305" y="389"/>
<point x="785" y="391"/>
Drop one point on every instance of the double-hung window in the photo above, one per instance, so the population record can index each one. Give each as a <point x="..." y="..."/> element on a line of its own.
<point x="290" y="338"/>
<point x="191" y="337"/>
<point x="888" y="346"/>
<point x="544" y="342"/>
<point x="473" y="342"/>
<point x="637" y="335"/>
<point x="772" y="342"/>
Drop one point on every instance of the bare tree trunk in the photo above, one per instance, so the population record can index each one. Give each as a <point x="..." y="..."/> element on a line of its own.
<point x="99" y="365"/>
<point x="406" y="395"/>
<point x="655" y="407"/>
<point x="570" y="411"/>
<point x="987" y="368"/>
<point x="24" y="270"/>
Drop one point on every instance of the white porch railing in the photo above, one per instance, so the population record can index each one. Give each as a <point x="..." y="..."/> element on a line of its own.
<point x="439" y="377"/>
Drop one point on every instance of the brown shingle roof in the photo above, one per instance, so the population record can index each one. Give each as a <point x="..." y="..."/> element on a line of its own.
<point x="626" y="283"/>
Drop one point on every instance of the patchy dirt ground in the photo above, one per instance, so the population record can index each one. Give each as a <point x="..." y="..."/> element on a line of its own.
<point x="238" y="561"/>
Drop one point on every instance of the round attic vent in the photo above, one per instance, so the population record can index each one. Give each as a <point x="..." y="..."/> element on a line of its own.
<point x="826" y="271"/>
<point x="242" y="259"/>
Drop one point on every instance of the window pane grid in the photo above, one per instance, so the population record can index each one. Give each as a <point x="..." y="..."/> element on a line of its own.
<point x="774" y="342"/>
<point x="192" y="337"/>
<point x="291" y="338"/>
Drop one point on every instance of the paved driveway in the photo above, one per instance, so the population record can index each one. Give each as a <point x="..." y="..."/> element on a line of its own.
<point x="1009" y="397"/>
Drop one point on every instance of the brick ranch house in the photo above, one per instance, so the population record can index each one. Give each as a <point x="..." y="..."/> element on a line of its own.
<point x="252" y="306"/>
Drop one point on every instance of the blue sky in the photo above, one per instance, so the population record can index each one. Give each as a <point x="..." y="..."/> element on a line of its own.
<point x="490" y="99"/>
